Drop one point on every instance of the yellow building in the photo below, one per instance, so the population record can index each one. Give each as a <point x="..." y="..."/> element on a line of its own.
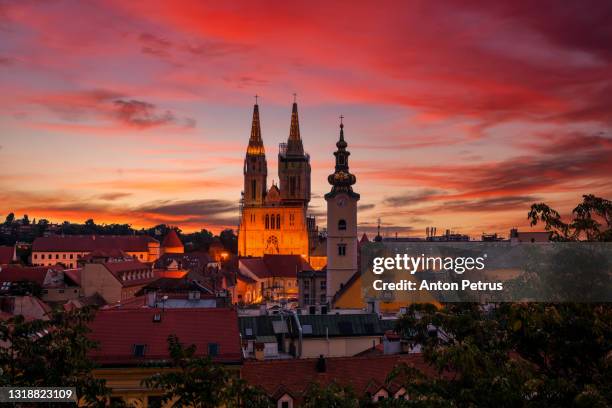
<point x="275" y="220"/>
<point x="66" y="250"/>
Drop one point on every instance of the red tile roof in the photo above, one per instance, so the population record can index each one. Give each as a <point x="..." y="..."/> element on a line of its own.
<point x="279" y="266"/>
<point x="171" y="240"/>
<point x="117" y="331"/>
<point x="6" y="254"/>
<point x="74" y="275"/>
<point x="363" y="374"/>
<point x="118" y="269"/>
<point x="89" y="243"/>
<point x="19" y="273"/>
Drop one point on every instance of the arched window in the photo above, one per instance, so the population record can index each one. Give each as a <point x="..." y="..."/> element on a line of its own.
<point x="277" y="221"/>
<point x="267" y="221"/>
<point x="342" y="225"/>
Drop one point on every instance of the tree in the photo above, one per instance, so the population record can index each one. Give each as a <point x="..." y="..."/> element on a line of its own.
<point x="592" y="220"/>
<point x="332" y="396"/>
<point x="51" y="353"/>
<point x="513" y="355"/>
<point x="200" y="383"/>
<point x="9" y="219"/>
<point x="25" y="220"/>
<point x="229" y="240"/>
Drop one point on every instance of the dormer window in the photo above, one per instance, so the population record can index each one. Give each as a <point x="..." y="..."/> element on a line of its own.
<point x="139" y="350"/>
<point x="213" y="349"/>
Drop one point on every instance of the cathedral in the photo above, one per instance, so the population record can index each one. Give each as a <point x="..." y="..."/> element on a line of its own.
<point x="274" y="220"/>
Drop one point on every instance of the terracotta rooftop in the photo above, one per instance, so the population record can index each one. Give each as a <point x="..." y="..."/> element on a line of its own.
<point x="118" y="269"/>
<point x="279" y="266"/>
<point x="74" y="275"/>
<point x="363" y="374"/>
<point x="89" y="243"/>
<point x="121" y="334"/>
<point x="20" y="273"/>
<point x="171" y="240"/>
<point x="6" y="254"/>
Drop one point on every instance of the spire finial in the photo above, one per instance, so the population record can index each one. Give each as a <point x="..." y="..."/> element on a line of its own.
<point x="255" y="143"/>
<point x="341" y="124"/>
<point x="256" y="96"/>
<point x="294" y="97"/>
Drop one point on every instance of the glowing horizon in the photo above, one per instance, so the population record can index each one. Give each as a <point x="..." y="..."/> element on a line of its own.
<point x="458" y="116"/>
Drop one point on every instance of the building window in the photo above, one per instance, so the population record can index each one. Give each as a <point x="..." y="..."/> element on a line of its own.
<point x="56" y="256"/>
<point x="291" y="219"/>
<point x="323" y="285"/>
<point x="35" y="256"/>
<point x="341" y="249"/>
<point x="64" y="256"/>
<point x="277" y="221"/>
<point x="139" y="350"/>
<point x="213" y="349"/>
<point x="267" y="221"/>
<point x="71" y="256"/>
<point x="342" y="225"/>
<point x="322" y="298"/>
<point x="253" y="189"/>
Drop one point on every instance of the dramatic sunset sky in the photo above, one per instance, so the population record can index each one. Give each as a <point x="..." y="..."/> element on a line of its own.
<point x="458" y="115"/>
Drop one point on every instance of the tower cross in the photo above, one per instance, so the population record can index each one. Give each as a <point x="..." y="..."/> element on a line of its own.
<point x="294" y="97"/>
<point x="341" y="117"/>
<point x="256" y="96"/>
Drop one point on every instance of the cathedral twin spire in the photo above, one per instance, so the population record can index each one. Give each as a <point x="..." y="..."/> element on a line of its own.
<point x="256" y="146"/>
<point x="294" y="142"/>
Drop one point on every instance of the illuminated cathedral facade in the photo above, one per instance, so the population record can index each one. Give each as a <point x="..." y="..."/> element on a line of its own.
<point x="274" y="220"/>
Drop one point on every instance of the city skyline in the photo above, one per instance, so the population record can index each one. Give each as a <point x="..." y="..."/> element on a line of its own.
<point x="458" y="116"/>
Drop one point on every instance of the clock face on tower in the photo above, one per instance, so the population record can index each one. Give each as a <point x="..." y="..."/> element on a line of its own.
<point x="341" y="201"/>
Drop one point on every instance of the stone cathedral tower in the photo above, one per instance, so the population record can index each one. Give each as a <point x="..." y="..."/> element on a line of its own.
<point x="255" y="165"/>
<point x="275" y="220"/>
<point x="294" y="166"/>
<point x="341" y="221"/>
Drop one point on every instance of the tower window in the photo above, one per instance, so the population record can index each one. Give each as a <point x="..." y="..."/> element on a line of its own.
<point x="342" y="225"/>
<point x="267" y="221"/>
<point x="292" y="186"/>
<point x="253" y="189"/>
<point x="277" y="221"/>
<point x="341" y="249"/>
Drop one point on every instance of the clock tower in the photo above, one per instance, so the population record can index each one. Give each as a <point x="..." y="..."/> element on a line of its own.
<point x="341" y="221"/>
